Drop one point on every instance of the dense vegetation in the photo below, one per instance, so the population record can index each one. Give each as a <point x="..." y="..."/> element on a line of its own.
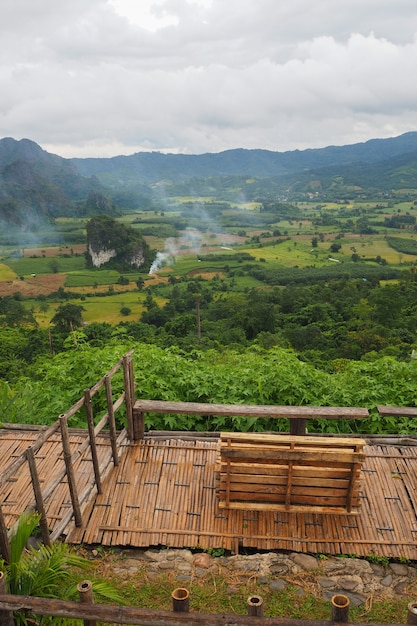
<point x="297" y="288"/>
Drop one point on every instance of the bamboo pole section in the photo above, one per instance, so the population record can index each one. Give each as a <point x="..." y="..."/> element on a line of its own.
<point x="92" y="438"/>
<point x="255" y="606"/>
<point x="4" y="538"/>
<point x="412" y="613"/>
<point x="85" y="592"/>
<point x="340" y="608"/>
<point x="111" y="421"/>
<point x="180" y="600"/>
<point x="70" y="471"/>
<point x="43" y="522"/>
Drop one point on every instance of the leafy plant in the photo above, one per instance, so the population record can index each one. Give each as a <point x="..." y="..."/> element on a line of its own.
<point x="48" y="572"/>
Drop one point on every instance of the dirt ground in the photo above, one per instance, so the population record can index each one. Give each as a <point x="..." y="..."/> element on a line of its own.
<point x="33" y="285"/>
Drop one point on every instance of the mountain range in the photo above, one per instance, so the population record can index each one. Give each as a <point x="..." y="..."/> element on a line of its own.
<point x="37" y="184"/>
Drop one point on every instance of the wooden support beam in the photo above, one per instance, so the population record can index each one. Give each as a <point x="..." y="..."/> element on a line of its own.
<point x="111" y="420"/>
<point x="128" y="399"/>
<point x="43" y="522"/>
<point x="92" y="438"/>
<point x="70" y="471"/>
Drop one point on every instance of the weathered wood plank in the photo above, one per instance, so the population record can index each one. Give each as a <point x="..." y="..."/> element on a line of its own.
<point x="248" y="410"/>
<point x="301" y="457"/>
<point x="397" y="411"/>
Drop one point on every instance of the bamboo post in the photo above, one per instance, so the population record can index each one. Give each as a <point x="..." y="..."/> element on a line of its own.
<point x="43" y="522"/>
<point x="255" y="606"/>
<point x="132" y="379"/>
<point x="6" y="617"/>
<point x="85" y="592"/>
<point x="112" y="423"/>
<point x="180" y="600"/>
<point x="412" y="613"/>
<point x="4" y="538"/>
<point x="128" y="399"/>
<point x="92" y="437"/>
<point x="70" y="471"/>
<point x="340" y="608"/>
<point x="298" y="426"/>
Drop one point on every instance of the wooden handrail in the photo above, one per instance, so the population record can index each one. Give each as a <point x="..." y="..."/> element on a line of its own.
<point x="296" y="414"/>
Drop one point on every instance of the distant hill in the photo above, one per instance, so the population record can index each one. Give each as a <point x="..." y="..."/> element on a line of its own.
<point x="151" y="167"/>
<point x="36" y="186"/>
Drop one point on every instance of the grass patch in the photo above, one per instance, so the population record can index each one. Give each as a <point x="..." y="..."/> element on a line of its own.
<point x="25" y="266"/>
<point x="87" y="278"/>
<point x="6" y="273"/>
<point x="227" y="592"/>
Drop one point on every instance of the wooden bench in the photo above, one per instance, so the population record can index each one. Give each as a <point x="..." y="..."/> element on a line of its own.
<point x="289" y="473"/>
<point x="296" y="414"/>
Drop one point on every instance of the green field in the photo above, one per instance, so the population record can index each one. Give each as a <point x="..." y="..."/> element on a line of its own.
<point x="232" y="227"/>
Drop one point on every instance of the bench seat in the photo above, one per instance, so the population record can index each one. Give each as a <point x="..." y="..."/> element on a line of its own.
<point x="274" y="472"/>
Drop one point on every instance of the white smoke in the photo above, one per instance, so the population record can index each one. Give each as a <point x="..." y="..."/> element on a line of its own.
<point x="191" y="239"/>
<point x="166" y="257"/>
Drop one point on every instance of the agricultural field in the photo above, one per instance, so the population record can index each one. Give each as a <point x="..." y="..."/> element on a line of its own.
<point x="204" y="245"/>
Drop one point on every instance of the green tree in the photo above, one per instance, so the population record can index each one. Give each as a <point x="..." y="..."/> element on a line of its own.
<point x="67" y="317"/>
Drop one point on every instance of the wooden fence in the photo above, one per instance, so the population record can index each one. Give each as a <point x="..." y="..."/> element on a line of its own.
<point x="180" y="616"/>
<point x="29" y="455"/>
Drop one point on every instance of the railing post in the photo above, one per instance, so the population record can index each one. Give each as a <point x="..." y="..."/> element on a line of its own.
<point x="112" y="423"/>
<point x="4" y="538"/>
<point x="85" y="592"/>
<point x="412" y="613"/>
<point x="128" y="398"/>
<point x="340" y="608"/>
<point x="70" y="471"/>
<point x="255" y="606"/>
<point x="43" y="522"/>
<point x="180" y="600"/>
<point x="298" y="426"/>
<point x="92" y="437"/>
<point x="6" y="617"/>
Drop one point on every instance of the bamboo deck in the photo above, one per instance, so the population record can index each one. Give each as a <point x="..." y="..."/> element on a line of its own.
<point x="163" y="492"/>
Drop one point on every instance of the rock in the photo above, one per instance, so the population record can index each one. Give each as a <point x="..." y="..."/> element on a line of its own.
<point x="278" y="585"/>
<point x="387" y="581"/>
<point x="377" y="569"/>
<point x="202" y="560"/>
<point x="326" y="583"/>
<point x="355" y="598"/>
<point x="350" y="583"/>
<point x="305" y="561"/>
<point x="402" y="588"/>
<point x="399" y="569"/>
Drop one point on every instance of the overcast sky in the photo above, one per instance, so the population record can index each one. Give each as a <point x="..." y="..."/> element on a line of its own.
<point x="108" y="77"/>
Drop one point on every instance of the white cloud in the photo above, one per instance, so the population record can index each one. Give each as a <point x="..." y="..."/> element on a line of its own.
<point x="102" y="78"/>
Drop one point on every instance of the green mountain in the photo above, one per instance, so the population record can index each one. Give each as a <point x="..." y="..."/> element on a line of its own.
<point x="150" y="168"/>
<point x="36" y="186"/>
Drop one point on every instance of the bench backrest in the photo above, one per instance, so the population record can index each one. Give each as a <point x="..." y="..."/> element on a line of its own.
<point x="259" y="471"/>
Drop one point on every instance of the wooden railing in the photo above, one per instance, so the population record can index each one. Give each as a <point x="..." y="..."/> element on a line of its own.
<point x="148" y="617"/>
<point x="298" y="415"/>
<point x="29" y="455"/>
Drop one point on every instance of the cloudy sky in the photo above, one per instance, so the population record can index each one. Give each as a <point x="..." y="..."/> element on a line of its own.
<point x="107" y="77"/>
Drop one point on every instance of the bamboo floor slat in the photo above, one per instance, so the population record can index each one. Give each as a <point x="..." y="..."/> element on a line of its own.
<point x="171" y="501"/>
<point x="16" y="494"/>
<point x="163" y="492"/>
